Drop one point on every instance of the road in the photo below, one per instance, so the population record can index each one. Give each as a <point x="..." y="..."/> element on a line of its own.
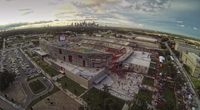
<point x="2" y="55"/>
<point x="10" y="104"/>
<point x="31" y="96"/>
<point x="183" y="71"/>
<point x="68" y="93"/>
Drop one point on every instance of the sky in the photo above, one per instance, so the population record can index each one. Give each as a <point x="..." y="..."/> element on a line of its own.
<point x="173" y="16"/>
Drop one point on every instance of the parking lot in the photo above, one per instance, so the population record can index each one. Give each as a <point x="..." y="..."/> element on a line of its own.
<point x="16" y="62"/>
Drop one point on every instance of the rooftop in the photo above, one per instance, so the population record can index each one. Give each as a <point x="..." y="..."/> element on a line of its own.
<point x="74" y="46"/>
<point x="86" y="73"/>
<point x="149" y="39"/>
<point x="139" y="58"/>
<point x="40" y="52"/>
<point x="194" y="57"/>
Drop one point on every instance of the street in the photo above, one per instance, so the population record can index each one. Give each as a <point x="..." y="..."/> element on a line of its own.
<point x="183" y="71"/>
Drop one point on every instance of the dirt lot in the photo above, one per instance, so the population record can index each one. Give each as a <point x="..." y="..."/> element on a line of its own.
<point x="5" y="106"/>
<point x="15" y="91"/>
<point x="57" y="101"/>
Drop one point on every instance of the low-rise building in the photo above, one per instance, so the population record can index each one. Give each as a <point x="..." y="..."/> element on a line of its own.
<point x="139" y="62"/>
<point x="184" y="47"/>
<point x="193" y="62"/>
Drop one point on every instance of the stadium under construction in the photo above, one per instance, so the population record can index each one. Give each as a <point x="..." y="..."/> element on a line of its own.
<point x="96" y="61"/>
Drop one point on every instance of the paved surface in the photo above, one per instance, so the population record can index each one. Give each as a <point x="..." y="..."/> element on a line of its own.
<point x="57" y="101"/>
<point x="9" y="105"/>
<point x="5" y="106"/>
<point x="30" y="95"/>
<point x="183" y="71"/>
<point x="20" y="62"/>
<point x="2" y="55"/>
<point x="65" y="91"/>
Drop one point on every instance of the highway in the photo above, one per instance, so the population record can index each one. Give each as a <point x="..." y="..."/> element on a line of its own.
<point x="183" y="71"/>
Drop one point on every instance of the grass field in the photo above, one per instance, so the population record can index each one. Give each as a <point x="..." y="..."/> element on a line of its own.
<point x="47" y="68"/>
<point x="195" y="81"/>
<point x="142" y="98"/>
<point x="55" y="89"/>
<point x="170" y="99"/>
<point x="71" y="86"/>
<point x="34" y="77"/>
<point x="148" y="81"/>
<point x="37" y="86"/>
<point x="145" y="95"/>
<point x="98" y="100"/>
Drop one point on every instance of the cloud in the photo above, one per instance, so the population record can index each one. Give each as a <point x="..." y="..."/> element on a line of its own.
<point x="149" y="5"/>
<point x="195" y="28"/>
<point x="55" y="2"/>
<point x="109" y="8"/>
<point x="95" y="3"/>
<point x="25" y="11"/>
<point x="118" y="10"/>
<point x="66" y="11"/>
<point x="9" y="0"/>
<point x="179" y="22"/>
<point x="124" y="5"/>
<point x="181" y="25"/>
<point x="185" y="5"/>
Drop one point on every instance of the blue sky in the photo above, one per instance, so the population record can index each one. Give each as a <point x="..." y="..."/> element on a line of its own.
<point x="174" y="16"/>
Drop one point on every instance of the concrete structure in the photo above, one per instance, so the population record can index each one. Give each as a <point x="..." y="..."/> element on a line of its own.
<point x="193" y="62"/>
<point x="76" y="54"/>
<point x="81" y="59"/>
<point x="184" y="47"/>
<point x="139" y="62"/>
<point x="146" y="39"/>
<point x="81" y="64"/>
<point x="83" y="76"/>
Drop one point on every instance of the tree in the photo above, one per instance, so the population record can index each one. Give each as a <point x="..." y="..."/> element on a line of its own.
<point x="106" y="88"/>
<point x="110" y="104"/>
<point x="81" y="108"/>
<point x="105" y="91"/>
<point x="6" y="78"/>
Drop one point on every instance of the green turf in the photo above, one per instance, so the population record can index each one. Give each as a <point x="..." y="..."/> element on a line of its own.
<point x="71" y="85"/>
<point x="169" y="96"/>
<point x="195" y="81"/>
<point x="142" y="98"/>
<point x="34" y="77"/>
<point x="98" y="100"/>
<point x="148" y="81"/>
<point x="37" y="86"/>
<point x="145" y="95"/>
<point x="47" y="68"/>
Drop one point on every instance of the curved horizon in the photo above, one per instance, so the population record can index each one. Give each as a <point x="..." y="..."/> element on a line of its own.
<point x="171" y="16"/>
